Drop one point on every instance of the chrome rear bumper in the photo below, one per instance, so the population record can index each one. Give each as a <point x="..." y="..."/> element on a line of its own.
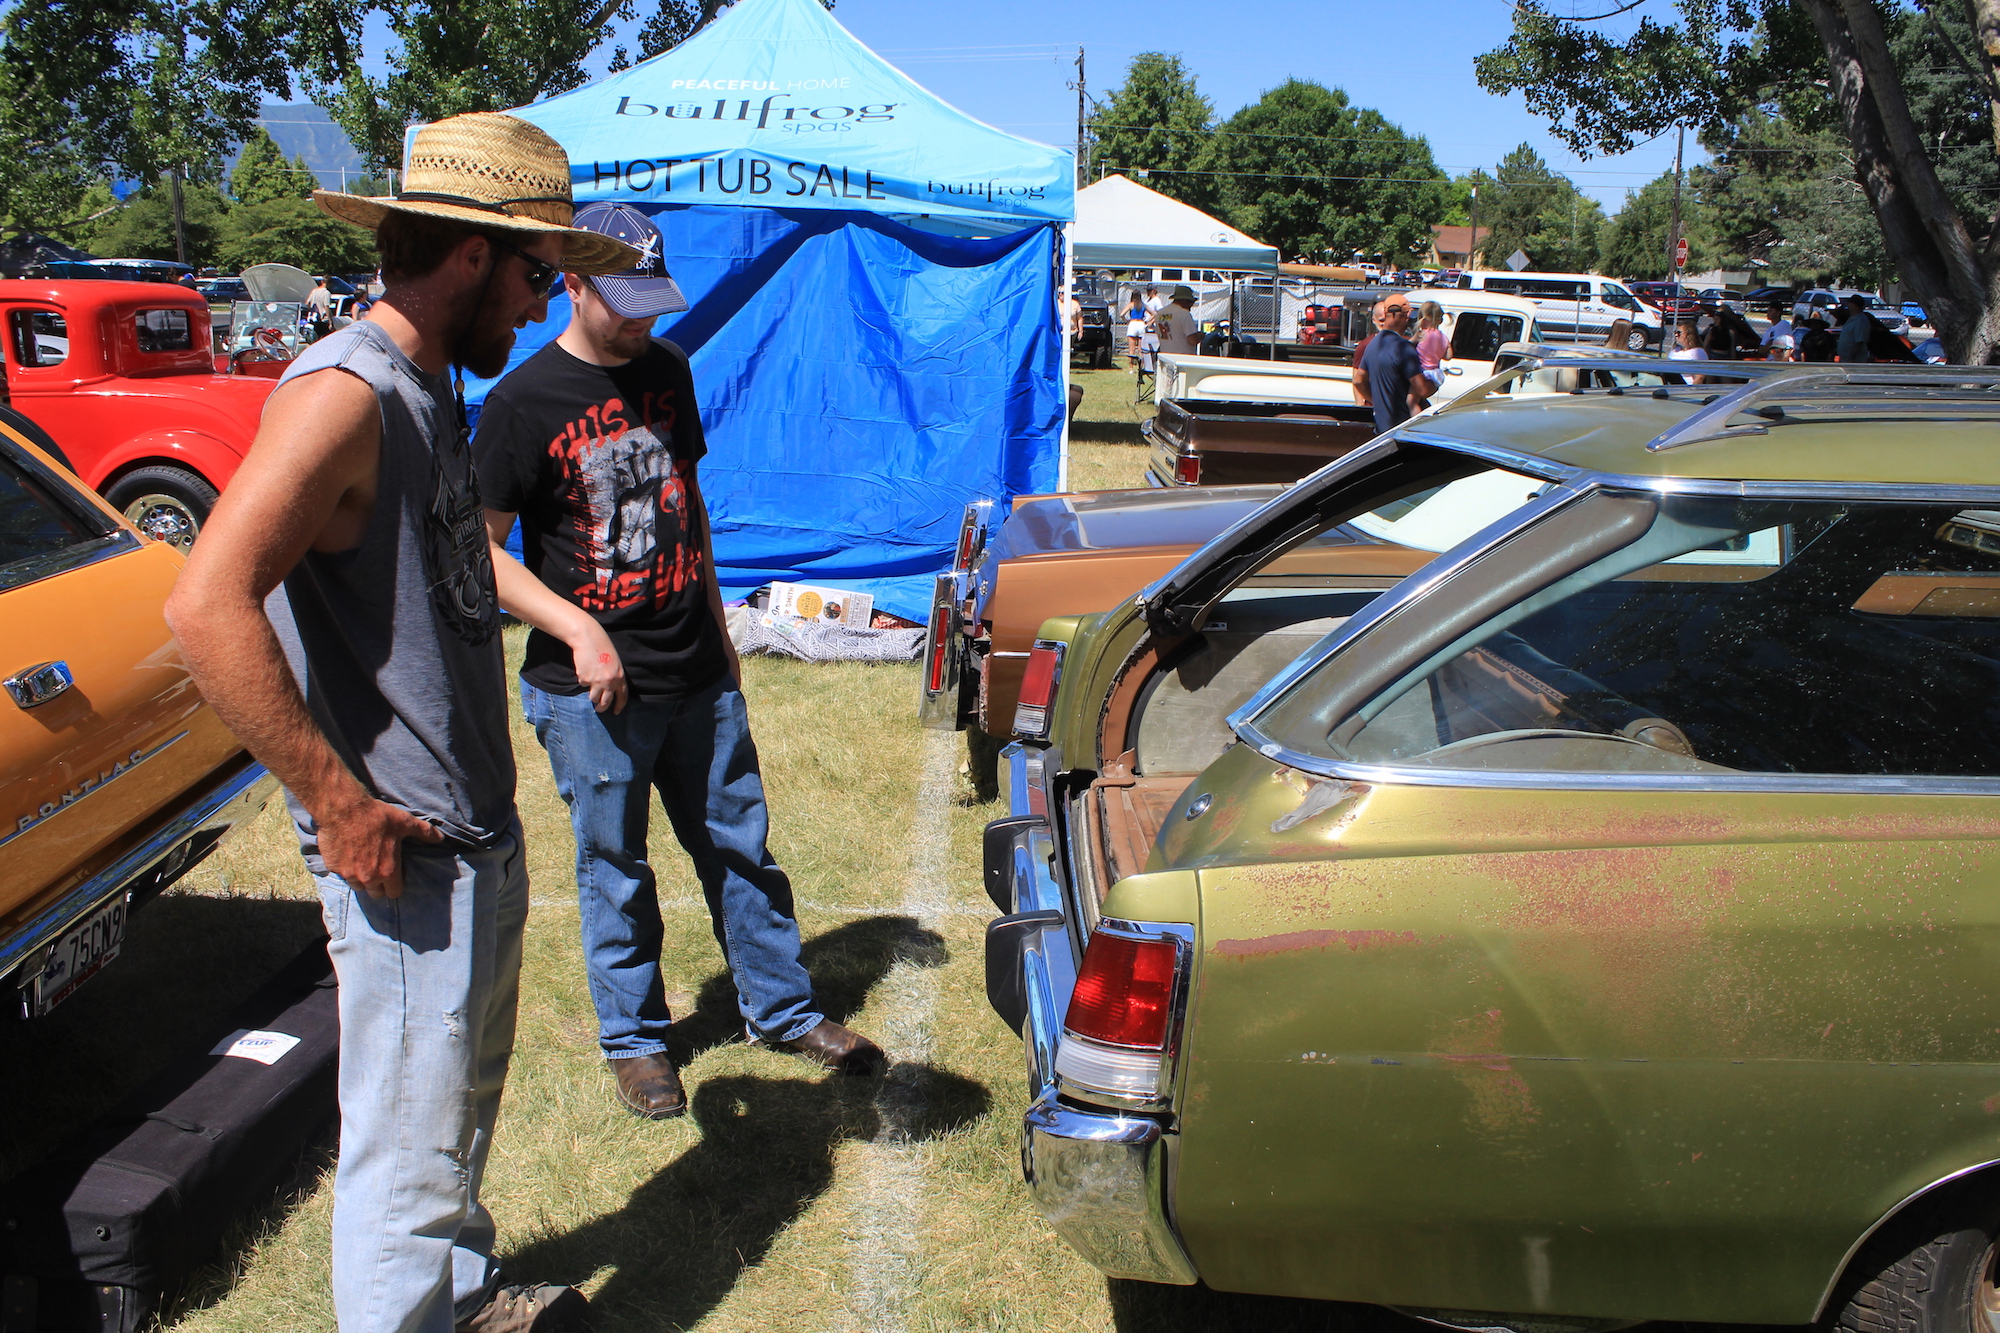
<point x="163" y="856"/>
<point x="1098" y="1175"/>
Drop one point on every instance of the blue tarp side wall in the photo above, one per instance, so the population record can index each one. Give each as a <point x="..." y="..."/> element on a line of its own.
<point x="860" y="382"/>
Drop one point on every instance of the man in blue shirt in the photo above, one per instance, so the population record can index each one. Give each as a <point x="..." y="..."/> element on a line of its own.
<point x="1391" y="370"/>
<point x="1856" y="330"/>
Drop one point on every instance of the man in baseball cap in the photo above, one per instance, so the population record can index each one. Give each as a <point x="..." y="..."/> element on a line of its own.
<point x="629" y="678"/>
<point x="350" y="553"/>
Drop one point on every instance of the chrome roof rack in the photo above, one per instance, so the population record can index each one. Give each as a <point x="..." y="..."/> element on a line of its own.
<point x="1761" y="395"/>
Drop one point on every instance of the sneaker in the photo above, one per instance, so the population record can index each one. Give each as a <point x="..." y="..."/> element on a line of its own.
<point x="522" y="1307"/>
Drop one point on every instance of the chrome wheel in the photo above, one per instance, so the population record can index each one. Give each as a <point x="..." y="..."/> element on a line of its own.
<point x="1986" y="1293"/>
<point x="164" y="519"/>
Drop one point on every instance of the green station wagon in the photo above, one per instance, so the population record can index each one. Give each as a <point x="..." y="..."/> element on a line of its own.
<point x="1600" y="924"/>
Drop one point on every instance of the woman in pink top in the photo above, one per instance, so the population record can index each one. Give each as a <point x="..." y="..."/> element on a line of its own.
<point x="1431" y="344"/>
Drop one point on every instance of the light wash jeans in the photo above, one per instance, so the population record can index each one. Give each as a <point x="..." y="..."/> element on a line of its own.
<point x="697" y="753"/>
<point x="428" y="985"/>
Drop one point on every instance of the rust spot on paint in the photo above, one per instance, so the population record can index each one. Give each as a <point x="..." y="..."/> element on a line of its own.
<point x="1293" y="941"/>
<point x="1991" y="1105"/>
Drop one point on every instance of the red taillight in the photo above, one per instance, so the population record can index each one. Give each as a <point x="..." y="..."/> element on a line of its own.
<point x="1125" y="992"/>
<point x="1038" y="688"/>
<point x="940" y="645"/>
<point x="1187" y="469"/>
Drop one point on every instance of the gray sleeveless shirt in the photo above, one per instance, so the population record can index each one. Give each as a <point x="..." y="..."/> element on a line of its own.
<point x="396" y="643"/>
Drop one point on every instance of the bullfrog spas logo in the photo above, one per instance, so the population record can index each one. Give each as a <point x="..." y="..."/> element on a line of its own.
<point x="783" y="111"/>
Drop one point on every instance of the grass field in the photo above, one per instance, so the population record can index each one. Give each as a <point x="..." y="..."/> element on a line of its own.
<point x="1106" y="450"/>
<point x="788" y="1199"/>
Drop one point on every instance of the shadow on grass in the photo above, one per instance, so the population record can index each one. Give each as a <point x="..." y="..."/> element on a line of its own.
<point x="683" y="1239"/>
<point x="845" y="963"/>
<point x="1107" y="432"/>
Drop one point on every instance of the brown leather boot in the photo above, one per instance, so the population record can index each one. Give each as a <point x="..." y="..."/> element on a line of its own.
<point x="840" y="1048"/>
<point x="649" y="1087"/>
<point x="529" y="1308"/>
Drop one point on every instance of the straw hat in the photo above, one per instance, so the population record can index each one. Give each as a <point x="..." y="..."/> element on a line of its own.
<point x="489" y="170"/>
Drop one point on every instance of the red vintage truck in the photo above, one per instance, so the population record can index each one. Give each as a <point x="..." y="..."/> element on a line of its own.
<point x="122" y="376"/>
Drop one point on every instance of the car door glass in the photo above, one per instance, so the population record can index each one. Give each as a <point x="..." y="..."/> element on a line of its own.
<point x="1478" y="335"/>
<point x="163" y="331"/>
<point x="41" y="337"/>
<point x="1773" y="651"/>
<point x="33" y="522"/>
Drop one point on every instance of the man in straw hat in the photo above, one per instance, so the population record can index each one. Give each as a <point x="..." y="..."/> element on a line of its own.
<point x="339" y="613"/>
<point x="630" y="679"/>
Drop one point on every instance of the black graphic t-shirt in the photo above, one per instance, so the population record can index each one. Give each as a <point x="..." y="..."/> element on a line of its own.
<point x="598" y="461"/>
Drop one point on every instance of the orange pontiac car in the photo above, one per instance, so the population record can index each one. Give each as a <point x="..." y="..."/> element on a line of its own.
<point x="115" y="776"/>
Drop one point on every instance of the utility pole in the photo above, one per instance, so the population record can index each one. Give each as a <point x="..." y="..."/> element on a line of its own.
<point x="1674" y="235"/>
<point x="1472" y="241"/>
<point x="180" y="221"/>
<point x="1082" y="112"/>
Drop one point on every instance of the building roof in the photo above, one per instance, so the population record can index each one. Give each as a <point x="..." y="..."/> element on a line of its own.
<point x="1456" y="240"/>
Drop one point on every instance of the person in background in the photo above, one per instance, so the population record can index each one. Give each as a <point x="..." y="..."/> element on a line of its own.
<point x="1073" y="310"/>
<point x="1620" y="334"/>
<point x="1360" y="362"/>
<point x="1216" y="341"/>
<point x="1780" y="340"/>
<point x="1857" y="329"/>
<point x="1816" y="341"/>
<point x="629" y="678"/>
<point x="1397" y="388"/>
<point x="1135" y="326"/>
<point x="319" y="309"/>
<point x="1730" y="335"/>
<point x="1153" y="299"/>
<point x="1687" y="347"/>
<point x="1432" y="346"/>
<point x="1176" y="324"/>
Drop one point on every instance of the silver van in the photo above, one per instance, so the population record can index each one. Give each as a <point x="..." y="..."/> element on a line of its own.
<point x="1578" y="307"/>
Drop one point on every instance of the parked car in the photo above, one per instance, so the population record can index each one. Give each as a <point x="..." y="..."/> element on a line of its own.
<point x="1064" y="555"/>
<point x="115" y="777"/>
<point x="1761" y="298"/>
<point x="1671" y="299"/>
<point x="1094" y="344"/>
<point x="1580" y="306"/>
<point x="1819" y="301"/>
<point x="1595" y="927"/>
<point x="223" y="291"/>
<point x="1914" y="312"/>
<point x="122" y="377"/>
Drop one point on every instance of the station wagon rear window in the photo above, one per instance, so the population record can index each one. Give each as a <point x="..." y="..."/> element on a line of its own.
<point x="163" y="331"/>
<point x="1681" y="634"/>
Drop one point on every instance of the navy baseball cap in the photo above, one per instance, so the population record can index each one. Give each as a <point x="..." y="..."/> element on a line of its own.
<point x="645" y="289"/>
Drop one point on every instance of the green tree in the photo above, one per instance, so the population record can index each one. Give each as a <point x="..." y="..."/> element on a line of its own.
<point x="292" y="231"/>
<point x="447" y="57"/>
<point x="1303" y="169"/>
<point x="1718" y="61"/>
<point x="144" y="227"/>
<point x="1540" y="213"/>
<point x="262" y="174"/>
<point x="1156" y="123"/>
<point x="126" y="89"/>
<point x="1632" y="243"/>
<point x="1778" y="196"/>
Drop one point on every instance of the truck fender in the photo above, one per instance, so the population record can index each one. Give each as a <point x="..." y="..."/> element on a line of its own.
<point x="209" y="456"/>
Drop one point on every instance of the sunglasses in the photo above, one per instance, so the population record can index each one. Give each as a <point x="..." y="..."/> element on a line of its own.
<point x="543" y="278"/>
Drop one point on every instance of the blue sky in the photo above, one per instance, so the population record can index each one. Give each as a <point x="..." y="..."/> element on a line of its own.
<point x="1010" y="62"/>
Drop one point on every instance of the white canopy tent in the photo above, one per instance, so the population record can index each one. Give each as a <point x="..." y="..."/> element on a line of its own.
<point x="1122" y="224"/>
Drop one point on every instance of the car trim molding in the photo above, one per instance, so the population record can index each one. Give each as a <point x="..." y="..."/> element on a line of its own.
<point x="227" y="803"/>
<point x="38" y="567"/>
<point x="1840" y="1270"/>
<point x="83" y="790"/>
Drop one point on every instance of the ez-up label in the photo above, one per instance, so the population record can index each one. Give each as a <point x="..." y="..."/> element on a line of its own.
<point x="266" y="1048"/>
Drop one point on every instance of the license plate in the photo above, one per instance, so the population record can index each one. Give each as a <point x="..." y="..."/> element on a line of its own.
<point x="78" y="956"/>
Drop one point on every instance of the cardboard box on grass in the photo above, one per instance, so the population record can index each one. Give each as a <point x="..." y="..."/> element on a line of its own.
<point x="829" y="606"/>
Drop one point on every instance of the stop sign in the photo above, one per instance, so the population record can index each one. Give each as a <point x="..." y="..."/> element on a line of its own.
<point x="1681" y="252"/>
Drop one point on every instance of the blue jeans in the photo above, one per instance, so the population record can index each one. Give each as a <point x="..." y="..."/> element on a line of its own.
<point x="428" y="985"/>
<point x="697" y="753"/>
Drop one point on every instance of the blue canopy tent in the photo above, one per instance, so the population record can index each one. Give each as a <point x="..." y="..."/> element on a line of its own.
<point x="872" y="281"/>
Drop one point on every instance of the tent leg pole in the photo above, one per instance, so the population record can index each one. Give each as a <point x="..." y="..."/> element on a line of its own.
<point x="1068" y="273"/>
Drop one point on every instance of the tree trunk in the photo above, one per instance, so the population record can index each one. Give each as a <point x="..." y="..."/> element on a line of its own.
<point x="1939" y="261"/>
